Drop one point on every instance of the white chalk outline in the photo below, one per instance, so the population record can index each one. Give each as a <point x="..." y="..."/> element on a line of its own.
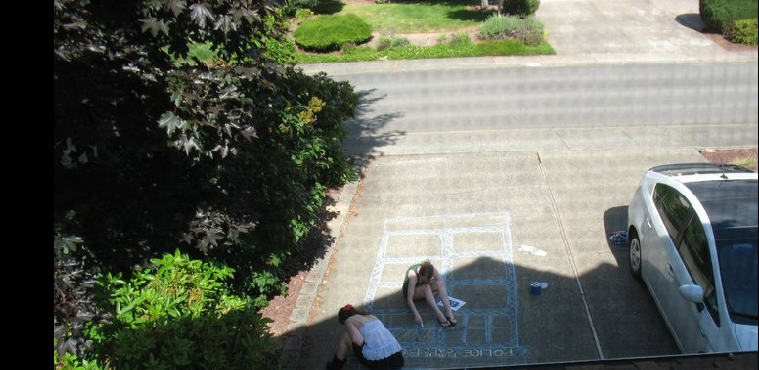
<point x="417" y="338"/>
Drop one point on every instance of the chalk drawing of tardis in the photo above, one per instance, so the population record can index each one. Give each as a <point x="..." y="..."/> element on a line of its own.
<point x="473" y="253"/>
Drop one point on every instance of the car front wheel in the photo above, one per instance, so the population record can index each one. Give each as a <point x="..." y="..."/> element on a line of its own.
<point x="635" y="255"/>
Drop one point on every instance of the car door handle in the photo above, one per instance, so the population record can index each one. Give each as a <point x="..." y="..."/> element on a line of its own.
<point x="670" y="270"/>
<point x="648" y="222"/>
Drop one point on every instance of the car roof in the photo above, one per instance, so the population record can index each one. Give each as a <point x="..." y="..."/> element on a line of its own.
<point x="699" y="168"/>
<point x="731" y="206"/>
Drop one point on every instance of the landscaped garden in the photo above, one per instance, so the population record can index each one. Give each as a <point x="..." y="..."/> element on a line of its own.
<point x="351" y="31"/>
<point x="328" y="31"/>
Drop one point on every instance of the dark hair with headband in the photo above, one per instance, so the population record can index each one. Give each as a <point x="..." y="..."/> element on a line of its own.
<point x="348" y="311"/>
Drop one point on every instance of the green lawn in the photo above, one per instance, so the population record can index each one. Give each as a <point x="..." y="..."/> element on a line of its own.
<point x="412" y="17"/>
<point x="450" y="50"/>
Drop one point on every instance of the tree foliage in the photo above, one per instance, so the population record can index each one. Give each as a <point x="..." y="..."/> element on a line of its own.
<point x="229" y="162"/>
<point x="521" y="8"/>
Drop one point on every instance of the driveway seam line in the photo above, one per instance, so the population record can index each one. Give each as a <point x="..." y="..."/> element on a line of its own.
<point x="565" y="241"/>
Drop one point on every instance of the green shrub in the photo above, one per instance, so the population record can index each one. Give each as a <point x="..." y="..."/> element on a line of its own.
<point x="303" y="13"/>
<point x="282" y="49"/>
<point x="743" y="31"/>
<point x="522" y="8"/>
<point x="328" y="7"/>
<point x="303" y="4"/>
<point x="533" y="31"/>
<point x="493" y="26"/>
<point x="717" y="14"/>
<point x="460" y="38"/>
<point x="180" y="313"/>
<point x="391" y="42"/>
<point x="69" y="361"/>
<point x="528" y="30"/>
<point x="327" y="33"/>
<point x="347" y="47"/>
<point x="278" y="47"/>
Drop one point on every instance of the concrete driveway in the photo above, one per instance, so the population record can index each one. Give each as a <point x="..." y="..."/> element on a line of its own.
<point x="470" y="214"/>
<point x="477" y="215"/>
<point x="629" y="27"/>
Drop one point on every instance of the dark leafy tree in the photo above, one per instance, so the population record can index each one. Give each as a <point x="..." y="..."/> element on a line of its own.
<point x="229" y="162"/>
<point x="521" y="8"/>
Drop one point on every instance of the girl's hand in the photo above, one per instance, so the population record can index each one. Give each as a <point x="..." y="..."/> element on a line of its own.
<point x="418" y="319"/>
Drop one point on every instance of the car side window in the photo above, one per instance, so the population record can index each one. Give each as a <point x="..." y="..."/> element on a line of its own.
<point x="694" y="250"/>
<point x="673" y="209"/>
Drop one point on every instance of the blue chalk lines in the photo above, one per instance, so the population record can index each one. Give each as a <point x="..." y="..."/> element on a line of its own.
<point x="473" y="253"/>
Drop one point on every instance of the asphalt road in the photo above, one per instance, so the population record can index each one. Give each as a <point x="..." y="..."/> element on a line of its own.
<point x="554" y="108"/>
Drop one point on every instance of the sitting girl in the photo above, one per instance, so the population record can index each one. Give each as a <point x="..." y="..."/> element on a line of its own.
<point x="372" y="343"/>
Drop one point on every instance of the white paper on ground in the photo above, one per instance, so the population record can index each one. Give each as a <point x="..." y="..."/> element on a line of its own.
<point x="455" y="303"/>
<point x="532" y="250"/>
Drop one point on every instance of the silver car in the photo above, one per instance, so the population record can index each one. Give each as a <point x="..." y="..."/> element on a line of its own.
<point x="693" y="241"/>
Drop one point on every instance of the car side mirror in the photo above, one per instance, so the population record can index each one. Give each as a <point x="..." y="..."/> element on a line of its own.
<point x="692" y="292"/>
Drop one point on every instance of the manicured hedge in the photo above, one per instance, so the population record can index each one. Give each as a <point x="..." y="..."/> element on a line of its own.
<point x="717" y="14"/>
<point x="329" y="32"/>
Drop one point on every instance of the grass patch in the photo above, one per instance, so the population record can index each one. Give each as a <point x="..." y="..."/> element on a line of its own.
<point x="416" y="17"/>
<point x="460" y="49"/>
<point x="200" y="51"/>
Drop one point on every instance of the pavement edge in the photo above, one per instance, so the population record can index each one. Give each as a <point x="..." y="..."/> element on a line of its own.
<point x="290" y="355"/>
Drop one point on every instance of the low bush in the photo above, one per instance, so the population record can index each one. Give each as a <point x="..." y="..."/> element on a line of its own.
<point x="533" y="32"/>
<point x="281" y="50"/>
<point x="743" y="31"/>
<point x="303" y="4"/>
<point x="495" y="25"/>
<point x="528" y="30"/>
<point x="718" y="14"/>
<point x="302" y="14"/>
<point x="180" y="313"/>
<point x="328" y="33"/>
<point x="460" y="38"/>
<point x="70" y="361"/>
<point x="522" y="8"/>
<point x="391" y="42"/>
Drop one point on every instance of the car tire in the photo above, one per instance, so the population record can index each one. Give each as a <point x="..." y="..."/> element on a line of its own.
<point x="636" y="260"/>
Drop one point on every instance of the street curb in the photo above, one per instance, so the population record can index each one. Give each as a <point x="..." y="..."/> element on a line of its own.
<point x="393" y="66"/>
<point x="290" y="355"/>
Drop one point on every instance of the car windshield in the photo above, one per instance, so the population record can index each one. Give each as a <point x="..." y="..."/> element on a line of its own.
<point x="738" y="267"/>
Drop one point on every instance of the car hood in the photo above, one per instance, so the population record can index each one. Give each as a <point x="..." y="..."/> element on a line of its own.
<point x="747" y="337"/>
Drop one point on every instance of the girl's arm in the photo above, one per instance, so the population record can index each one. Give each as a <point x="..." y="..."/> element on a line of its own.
<point x="412" y="279"/>
<point x="355" y="334"/>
